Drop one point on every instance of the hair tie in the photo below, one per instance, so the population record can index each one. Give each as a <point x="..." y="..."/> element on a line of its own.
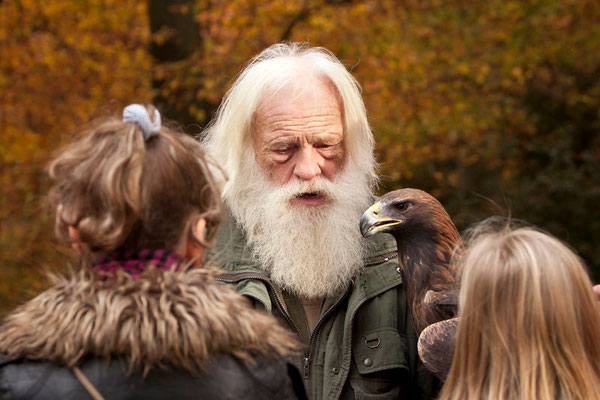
<point x="137" y="114"/>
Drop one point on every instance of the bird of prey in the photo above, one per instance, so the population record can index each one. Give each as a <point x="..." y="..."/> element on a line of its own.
<point x="426" y="239"/>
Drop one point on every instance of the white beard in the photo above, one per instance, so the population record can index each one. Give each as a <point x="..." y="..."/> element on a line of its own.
<point x="312" y="252"/>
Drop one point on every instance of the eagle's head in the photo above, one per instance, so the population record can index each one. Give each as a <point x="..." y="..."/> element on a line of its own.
<point x="409" y="215"/>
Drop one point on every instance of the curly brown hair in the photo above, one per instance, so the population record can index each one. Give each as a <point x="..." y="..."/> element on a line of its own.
<point x="121" y="191"/>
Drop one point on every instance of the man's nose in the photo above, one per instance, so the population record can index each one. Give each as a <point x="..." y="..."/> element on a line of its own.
<point x="308" y="164"/>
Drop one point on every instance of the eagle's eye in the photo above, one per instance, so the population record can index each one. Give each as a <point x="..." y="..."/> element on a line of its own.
<point x="402" y="206"/>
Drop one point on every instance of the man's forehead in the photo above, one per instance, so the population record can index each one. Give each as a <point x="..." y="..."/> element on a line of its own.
<point x="317" y="137"/>
<point x="310" y="91"/>
<point x="286" y="115"/>
<point x="308" y="106"/>
<point x="314" y="123"/>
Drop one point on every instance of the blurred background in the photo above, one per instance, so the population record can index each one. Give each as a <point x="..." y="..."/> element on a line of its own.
<point x="492" y="106"/>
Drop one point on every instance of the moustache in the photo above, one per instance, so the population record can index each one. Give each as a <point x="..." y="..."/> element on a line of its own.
<point x="315" y="187"/>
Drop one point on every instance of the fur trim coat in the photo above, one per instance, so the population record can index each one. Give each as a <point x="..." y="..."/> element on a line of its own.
<point x="167" y="334"/>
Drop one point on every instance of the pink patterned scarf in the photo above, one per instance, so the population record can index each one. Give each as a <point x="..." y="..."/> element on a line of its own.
<point x="135" y="262"/>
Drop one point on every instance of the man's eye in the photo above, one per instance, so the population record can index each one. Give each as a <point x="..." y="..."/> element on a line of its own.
<point x="324" y="146"/>
<point x="282" y="151"/>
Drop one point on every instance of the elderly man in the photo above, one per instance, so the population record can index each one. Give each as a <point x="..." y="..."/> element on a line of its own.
<point x="293" y="139"/>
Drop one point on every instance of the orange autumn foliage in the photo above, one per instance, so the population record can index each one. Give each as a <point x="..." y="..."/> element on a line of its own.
<point x="60" y="64"/>
<point x="490" y="106"/>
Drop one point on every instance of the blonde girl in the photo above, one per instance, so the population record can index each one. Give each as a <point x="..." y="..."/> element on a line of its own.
<point x="529" y="325"/>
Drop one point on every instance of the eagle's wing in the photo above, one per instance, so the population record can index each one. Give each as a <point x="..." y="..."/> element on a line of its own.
<point x="436" y="346"/>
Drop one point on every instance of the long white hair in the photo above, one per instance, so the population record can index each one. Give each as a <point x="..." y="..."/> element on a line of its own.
<point x="228" y="136"/>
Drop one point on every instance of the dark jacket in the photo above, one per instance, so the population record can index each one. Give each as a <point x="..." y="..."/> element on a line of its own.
<point x="364" y="345"/>
<point x="227" y="377"/>
<point x="179" y="333"/>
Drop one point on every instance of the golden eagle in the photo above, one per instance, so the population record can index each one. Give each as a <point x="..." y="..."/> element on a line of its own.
<point x="426" y="238"/>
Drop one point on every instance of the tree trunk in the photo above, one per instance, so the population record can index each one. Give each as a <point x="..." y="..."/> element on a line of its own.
<point x="185" y="39"/>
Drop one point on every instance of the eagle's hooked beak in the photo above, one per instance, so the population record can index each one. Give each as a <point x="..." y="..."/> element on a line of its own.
<point x="371" y="222"/>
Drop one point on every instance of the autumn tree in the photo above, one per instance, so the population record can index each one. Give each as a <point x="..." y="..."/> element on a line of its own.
<point x="491" y="106"/>
<point x="61" y="63"/>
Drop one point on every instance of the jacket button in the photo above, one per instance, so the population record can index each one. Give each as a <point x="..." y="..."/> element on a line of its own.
<point x="335" y="370"/>
<point x="398" y="270"/>
<point x="368" y="362"/>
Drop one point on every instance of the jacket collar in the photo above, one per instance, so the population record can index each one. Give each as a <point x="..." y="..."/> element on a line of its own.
<point x="163" y="318"/>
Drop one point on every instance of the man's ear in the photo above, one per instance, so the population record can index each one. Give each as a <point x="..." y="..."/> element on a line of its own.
<point x="74" y="238"/>
<point x="194" y="247"/>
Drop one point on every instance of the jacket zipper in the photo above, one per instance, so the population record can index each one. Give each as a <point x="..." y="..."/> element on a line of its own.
<point x="308" y="353"/>
<point x="381" y="259"/>
<point x="307" y="356"/>
<point x="279" y="303"/>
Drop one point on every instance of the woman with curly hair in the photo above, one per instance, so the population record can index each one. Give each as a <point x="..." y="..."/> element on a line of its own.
<point x="140" y="316"/>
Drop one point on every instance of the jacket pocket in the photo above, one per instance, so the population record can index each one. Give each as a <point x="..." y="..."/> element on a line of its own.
<point x="380" y="360"/>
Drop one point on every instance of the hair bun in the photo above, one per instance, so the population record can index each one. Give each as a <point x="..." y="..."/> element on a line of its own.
<point x="138" y="114"/>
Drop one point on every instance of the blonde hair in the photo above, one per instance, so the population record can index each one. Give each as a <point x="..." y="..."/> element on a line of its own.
<point x="121" y="191"/>
<point x="228" y="135"/>
<point x="529" y="324"/>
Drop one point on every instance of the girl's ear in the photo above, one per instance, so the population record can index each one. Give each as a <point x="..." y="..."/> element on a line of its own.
<point x="199" y="229"/>
<point x="194" y="247"/>
<point x="74" y="238"/>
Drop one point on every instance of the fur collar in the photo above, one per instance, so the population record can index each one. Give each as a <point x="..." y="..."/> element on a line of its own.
<point x="162" y="319"/>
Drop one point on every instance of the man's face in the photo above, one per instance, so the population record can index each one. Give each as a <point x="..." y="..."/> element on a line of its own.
<point x="299" y="134"/>
<point x="297" y="197"/>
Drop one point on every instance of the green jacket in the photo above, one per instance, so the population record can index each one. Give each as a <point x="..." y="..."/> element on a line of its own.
<point x="364" y="345"/>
